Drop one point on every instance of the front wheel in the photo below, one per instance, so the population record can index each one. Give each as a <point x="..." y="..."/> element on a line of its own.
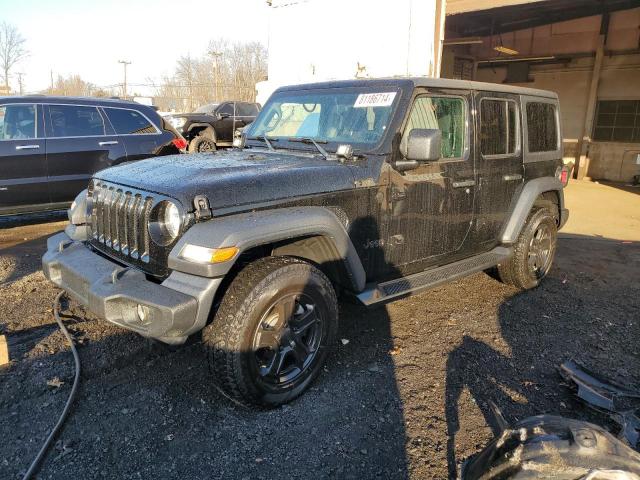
<point x="201" y="144"/>
<point x="533" y="252"/>
<point x="270" y="336"/>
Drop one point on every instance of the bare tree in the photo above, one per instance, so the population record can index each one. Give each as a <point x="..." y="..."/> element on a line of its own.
<point x="74" y="86"/>
<point x="12" y="49"/>
<point x="229" y="71"/>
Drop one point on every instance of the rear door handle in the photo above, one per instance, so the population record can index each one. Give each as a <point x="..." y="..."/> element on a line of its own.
<point x="27" y="147"/>
<point x="511" y="176"/>
<point x="110" y="142"/>
<point x="465" y="183"/>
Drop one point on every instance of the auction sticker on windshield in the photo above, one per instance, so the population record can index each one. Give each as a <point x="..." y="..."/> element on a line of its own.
<point x="374" y="99"/>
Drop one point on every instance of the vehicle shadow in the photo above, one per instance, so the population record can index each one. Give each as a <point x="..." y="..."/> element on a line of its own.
<point x="625" y="186"/>
<point x="18" y="260"/>
<point x="23" y="240"/>
<point x="588" y="313"/>
<point x="10" y="221"/>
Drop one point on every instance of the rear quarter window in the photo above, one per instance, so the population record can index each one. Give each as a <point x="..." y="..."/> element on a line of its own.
<point x="542" y="127"/>
<point x="129" y="122"/>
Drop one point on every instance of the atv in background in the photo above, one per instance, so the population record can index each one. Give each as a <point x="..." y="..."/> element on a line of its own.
<point x="213" y="125"/>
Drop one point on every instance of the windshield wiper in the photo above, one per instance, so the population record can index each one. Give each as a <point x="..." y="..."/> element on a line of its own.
<point x="316" y="144"/>
<point x="269" y="144"/>
<point x="263" y="138"/>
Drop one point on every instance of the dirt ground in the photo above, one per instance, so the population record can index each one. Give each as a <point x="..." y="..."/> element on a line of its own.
<point x="406" y="397"/>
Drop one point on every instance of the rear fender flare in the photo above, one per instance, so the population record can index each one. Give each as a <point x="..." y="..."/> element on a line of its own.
<point x="524" y="202"/>
<point x="255" y="229"/>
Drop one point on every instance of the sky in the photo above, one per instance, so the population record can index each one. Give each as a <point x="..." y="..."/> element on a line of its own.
<point x="88" y="37"/>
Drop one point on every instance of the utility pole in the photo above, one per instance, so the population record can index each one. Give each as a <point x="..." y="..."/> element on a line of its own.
<point x="216" y="56"/>
<point x="51" y="71"/>
<point x="124" y="85"/>
<point x="20" y="74"/>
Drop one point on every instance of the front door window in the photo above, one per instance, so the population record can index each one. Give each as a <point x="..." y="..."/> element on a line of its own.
<point x="18" y="122"/>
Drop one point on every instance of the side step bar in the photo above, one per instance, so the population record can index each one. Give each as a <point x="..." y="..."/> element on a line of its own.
<point x="405" y="286"/>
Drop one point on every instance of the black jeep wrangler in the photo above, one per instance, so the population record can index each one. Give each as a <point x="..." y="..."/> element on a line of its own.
<point x="371" y="189"/>
<point x="213" y="125"/>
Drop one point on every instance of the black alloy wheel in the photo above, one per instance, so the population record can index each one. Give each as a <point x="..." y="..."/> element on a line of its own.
<point x="286" y="340"/>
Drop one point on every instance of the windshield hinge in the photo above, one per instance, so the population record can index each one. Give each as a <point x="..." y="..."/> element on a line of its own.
<point x="202" y="211"/>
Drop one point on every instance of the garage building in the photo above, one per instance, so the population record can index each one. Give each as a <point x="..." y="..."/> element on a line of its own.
<point x="588" y="51"/>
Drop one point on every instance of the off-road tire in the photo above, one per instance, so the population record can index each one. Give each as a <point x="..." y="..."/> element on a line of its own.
<point x="228" y="340"/>
<point x="516" y="270"/>
<point x="202" y="144"/>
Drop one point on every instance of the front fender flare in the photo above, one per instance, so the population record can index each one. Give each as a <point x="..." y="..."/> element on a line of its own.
<point x="205" y="126"/>
<point x="253" y="229"/>
<point x="524" y="202"/>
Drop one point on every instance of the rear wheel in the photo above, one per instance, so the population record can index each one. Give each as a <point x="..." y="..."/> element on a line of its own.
<point x="533" y="252"/>
<point x="270" y="336"/>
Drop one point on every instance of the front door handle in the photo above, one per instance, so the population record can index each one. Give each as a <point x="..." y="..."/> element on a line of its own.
<point x="110" y="142"/>
<point x="511" y="176"/>
<point x="465" y="183"/>
<point x="27" y="147"/>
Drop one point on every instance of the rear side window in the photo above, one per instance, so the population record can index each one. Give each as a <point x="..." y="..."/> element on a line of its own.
<point x="129" y="122"/>
<point x="542" y="129"/>
<point x="75" y="121"/>
<point x="446" y="114"/>
<point x="18" y="122"/>
<point x="498" y="127"/>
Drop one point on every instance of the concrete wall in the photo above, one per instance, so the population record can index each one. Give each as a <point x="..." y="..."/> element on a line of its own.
<point x="618" y="162"/>
<point x="577" y="41"/>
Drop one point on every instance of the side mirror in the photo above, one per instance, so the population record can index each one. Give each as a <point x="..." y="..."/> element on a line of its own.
<point x="222" y="115"/>
<point x="424" y="145"/>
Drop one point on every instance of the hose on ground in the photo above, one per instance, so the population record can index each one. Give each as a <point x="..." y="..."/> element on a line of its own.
<point x="33" y="468"/>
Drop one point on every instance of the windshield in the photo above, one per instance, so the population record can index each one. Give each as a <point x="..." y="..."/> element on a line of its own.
<point x="355" y="116"/>
<point x="207" y="108"/>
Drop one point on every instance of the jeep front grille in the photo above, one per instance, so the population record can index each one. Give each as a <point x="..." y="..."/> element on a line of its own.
<point x="119" y="218"/>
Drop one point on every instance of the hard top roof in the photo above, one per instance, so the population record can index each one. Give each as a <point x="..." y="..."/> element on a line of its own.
<point x="413" y="82"/>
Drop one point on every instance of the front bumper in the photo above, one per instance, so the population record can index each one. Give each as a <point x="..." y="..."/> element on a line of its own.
<point x="176" y="308"/>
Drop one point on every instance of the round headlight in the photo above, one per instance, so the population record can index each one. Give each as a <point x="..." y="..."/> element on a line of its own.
<point x="165" y="222"/>
<point x="172" y="219"/>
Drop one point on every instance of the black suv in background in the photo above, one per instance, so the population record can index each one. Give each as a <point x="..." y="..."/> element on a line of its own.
<point x="51" y="146"/>
<point x="214" y="124"/>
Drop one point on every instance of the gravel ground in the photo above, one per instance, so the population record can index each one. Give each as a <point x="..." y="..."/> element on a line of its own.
<point x="406" y="397"/>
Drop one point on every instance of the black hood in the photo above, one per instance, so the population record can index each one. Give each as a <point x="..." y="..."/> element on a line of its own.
<point x="233" y="178"/>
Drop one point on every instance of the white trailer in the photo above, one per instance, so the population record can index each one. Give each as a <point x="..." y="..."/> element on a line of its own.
<point x="316" y="40"/>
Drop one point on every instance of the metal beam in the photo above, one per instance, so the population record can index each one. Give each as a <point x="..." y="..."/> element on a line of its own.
<point x="582" y="162"/>
<point x="522" y="17"/>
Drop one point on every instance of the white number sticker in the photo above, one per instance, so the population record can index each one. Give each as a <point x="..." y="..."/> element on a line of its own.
<point x="374" y="100"/>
